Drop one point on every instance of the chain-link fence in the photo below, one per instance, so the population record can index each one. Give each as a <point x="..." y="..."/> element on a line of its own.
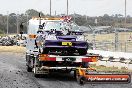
<point x="123" y="47"/>
<point x="110" y="42"/>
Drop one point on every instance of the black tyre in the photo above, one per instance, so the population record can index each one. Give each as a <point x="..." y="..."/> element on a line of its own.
<point x="75" y="74"/>
<point x="29" y="69"/>
<point x="35" y="72"/>
<point x="37" y="75"/>
<point x="82" y="51"/>
<point x="81" y="80"/>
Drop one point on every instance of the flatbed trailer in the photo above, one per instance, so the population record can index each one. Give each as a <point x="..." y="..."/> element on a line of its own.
<point x="42" y="64"/>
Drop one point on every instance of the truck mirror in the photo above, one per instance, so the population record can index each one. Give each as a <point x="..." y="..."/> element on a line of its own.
<point x="40" y="26"/>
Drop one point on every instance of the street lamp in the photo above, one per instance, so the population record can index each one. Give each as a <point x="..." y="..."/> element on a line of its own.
<point x="125" y="13"/>
<point x="50" y="7"/>
<point x="7" y="23"/>
<point x="67" y="7"/>
<point x="93" y="35"/>
<point x="17" y="25"/>
<point x="116" y="39"/>
<point x="125" y="24"/>
<point x="27" y="21"/>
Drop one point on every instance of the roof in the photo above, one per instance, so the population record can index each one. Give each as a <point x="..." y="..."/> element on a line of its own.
<point x="46" y="18"/>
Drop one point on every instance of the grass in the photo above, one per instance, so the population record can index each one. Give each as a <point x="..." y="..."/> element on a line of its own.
<point x="13" y="49"/>
<point x="2" y="35"/>
<point x="110" y="69"/>
<point x="123" y="36"/>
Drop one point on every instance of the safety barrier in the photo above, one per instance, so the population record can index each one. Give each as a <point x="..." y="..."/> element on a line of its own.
<point x="113" y="59"/>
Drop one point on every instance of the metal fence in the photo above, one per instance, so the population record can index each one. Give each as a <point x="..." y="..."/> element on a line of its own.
<point x="110" y="42"/>
<point x="121" y="47"/>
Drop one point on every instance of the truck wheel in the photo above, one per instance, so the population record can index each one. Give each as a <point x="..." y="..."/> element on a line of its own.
<point x="29" y="69"/>
<point x="75" y="74"/>
<point x="35" y="74"/>
<point x="81" y="80"/>
<point x="82" y="52"/>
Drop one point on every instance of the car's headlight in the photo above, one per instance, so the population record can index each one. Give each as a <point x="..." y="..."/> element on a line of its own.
<point x="51" y="37"/>
<point x="80" y="38"/>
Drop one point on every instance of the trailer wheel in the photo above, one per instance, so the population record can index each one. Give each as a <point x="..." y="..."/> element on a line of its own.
<point x="29" y="69"/>
<point x="37" y="75"/>
<point x="81" y="80"/>
<point x="75" y="74"/>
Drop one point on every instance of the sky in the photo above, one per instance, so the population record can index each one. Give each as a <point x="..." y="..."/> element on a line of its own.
<point x="83" y="7"/>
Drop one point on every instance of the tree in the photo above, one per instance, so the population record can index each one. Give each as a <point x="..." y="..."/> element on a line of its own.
<point x="32" y="12"/>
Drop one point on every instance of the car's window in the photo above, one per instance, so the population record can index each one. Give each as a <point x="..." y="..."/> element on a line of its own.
<point x="53" y="25"/>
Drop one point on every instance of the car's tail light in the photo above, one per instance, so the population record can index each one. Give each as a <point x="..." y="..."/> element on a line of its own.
<point x="45" y="57"/>
<point x="52" y="59"/>
<point x="89" y="59"/>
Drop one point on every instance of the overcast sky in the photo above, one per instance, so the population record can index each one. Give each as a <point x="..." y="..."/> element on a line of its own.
<point x="84" y="7"/>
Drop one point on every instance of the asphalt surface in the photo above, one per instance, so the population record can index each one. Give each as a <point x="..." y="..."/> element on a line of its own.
<point x="13" y="74"/>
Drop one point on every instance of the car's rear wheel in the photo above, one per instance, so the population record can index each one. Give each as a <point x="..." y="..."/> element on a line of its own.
<point x="29" y="69"/>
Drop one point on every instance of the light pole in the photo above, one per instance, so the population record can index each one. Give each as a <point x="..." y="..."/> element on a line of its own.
<point x="94" y="36"/>
<point x="50" y="7"/>
<point x="17" y="25"/>
<point x="94" y="46"/>
<point x="125" y="23"/>
<point x="74" y="17"/>
<point x="116" y="39"/>
<point x="27" y="21"/>
<point x="67" y="7"/>
<point x="96" y="21"/>
<point x="55" y="12"/>
<point x="125" y="13"/>
<point x="7" y="23"/>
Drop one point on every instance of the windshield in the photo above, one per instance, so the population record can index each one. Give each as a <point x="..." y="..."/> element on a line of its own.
<point x="53" y="25"/>
<point x="62" y="28"/>
<point x="75" y="27"/>
<point x="72" y="27"/>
